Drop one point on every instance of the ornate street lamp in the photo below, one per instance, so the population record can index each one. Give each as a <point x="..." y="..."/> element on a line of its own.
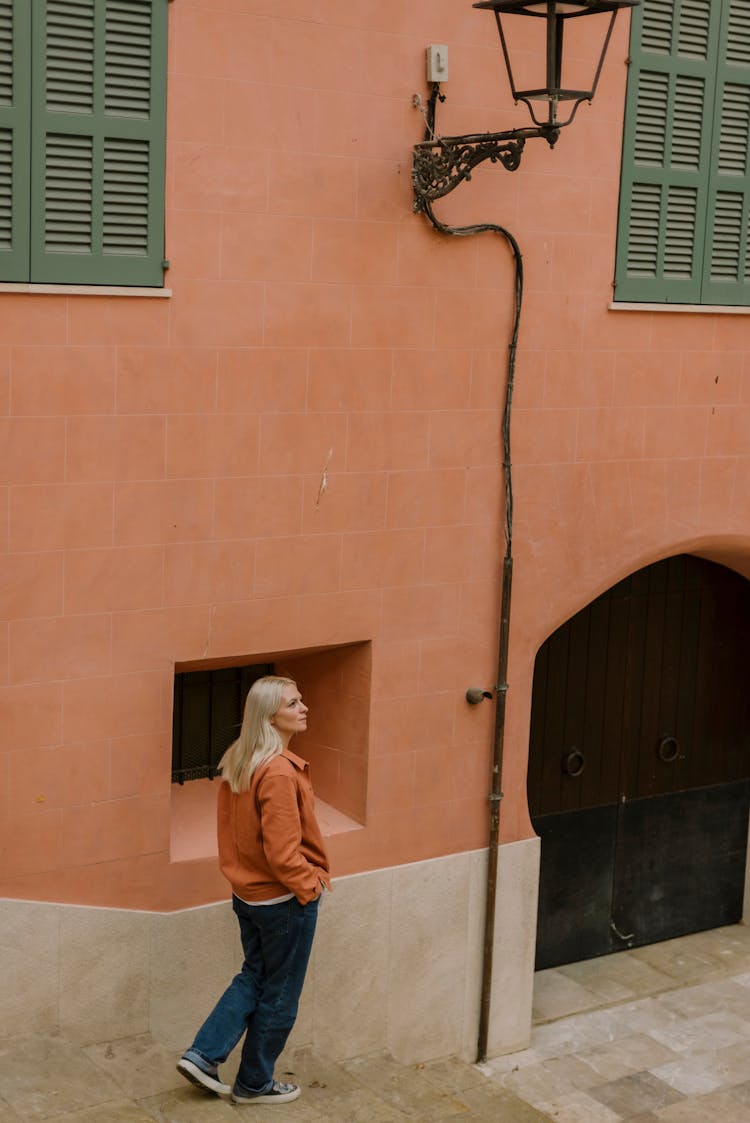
<point x="441" y="163"/>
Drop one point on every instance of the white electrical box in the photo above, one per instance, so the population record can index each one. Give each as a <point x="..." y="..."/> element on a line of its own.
<point x="437" y="62"/>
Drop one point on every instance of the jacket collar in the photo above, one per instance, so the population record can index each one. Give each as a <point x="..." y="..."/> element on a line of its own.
<point x="297" y="761"/>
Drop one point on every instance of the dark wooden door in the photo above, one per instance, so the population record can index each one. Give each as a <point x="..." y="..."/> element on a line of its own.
<point x="639" y="762"/>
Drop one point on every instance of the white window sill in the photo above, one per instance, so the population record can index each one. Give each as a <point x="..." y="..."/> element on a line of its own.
<point x="84" y="290"/>
<point x="714" y="309"/>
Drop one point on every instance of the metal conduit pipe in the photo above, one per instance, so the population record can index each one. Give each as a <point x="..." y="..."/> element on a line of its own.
<point x="501" y="686"/>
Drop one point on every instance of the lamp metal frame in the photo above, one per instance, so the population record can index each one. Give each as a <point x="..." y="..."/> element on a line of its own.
<point x="440" y="163"/>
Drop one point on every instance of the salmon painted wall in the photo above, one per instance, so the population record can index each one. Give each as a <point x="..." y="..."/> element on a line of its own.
<point x="162" y="459"/>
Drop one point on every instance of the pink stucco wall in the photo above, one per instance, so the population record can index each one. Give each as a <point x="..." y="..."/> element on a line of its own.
<point x="161" y="459"/>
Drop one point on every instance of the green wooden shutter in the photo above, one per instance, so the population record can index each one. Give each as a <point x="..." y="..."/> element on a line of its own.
<point x="666" y="151"/>
<point x="726" y="267"/>
<point x="15" y="109"/>
<point x="98" y="140"/>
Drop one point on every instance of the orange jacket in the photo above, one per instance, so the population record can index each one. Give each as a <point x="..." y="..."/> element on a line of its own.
<point x="270" y="842"/>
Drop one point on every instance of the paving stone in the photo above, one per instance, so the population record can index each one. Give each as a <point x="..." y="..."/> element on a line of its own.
<point x="138" y="1065"/>
<point x="404" y="1087"/>
<point x="719" y="1107"/>
<point x="579" y="1107"/>
<point x="739" y="1092"/>
<point x="193" y="1106"/>
<point x="556" y="996"/>
<point x="704" y="1034"/>
<point x="7" y="1114"/>
<point x="359" y="1106"/>
<point x="693" y="1076"/>
<point x="618" y="978"/>
<point x="580" y="1032"/>
<point x="491" y="1103"/>
<point x="705" y="998"/>
<point x="624" y="1057"/>
<point x="730" y="946"/>
<point x="637" y="1093"/>
<point x="452" y="1075"/>
<point x="676" y="959"/>
<point x="41" y="1077"/>
<point x="318" y="1075"/>
<point x="116" y="1111"/>
<point x="538" y="1083"/>
<point x="648" y="1014"/>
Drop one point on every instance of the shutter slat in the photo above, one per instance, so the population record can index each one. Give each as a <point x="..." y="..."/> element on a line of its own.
<point x="69" y="55"/>
<point x="734" y="130"/>
<point x="15" y="134"/>
<point x="6" y="52"/>
<point x="127" y="68"/>
<point x="687" y="136"/>
<point x="651" y="119"/>
<point x="738" y="38"/>
<point x="68" y="194"/>
<point x="727" y="238"/>
<point x="679" y="241"/>
<point x="126" y="197"/>
<point x="6" y="189"/>
<point x="645" y="217"/>
<point x="658" y="18"/>
<point x="693" y="35"/>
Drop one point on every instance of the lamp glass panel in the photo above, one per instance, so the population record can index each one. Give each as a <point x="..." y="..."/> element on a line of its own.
<point x="526" y="40"/>
<point x="582" y="45"/>
<point x="583" y="40"/>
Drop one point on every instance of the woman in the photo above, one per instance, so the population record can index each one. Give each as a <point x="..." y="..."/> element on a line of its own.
<point x="271" y="851"/>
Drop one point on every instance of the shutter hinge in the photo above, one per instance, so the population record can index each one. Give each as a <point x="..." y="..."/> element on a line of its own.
<point x="165" y="263"/>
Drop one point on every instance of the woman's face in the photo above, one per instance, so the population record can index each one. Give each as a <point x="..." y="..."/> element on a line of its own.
<point x="291" y="716"/>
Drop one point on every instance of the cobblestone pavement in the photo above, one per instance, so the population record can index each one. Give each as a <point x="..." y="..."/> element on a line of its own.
<point x="134" y="1081"/>
<point x="660" y="1034"/>
<point x="655" y="1035"/>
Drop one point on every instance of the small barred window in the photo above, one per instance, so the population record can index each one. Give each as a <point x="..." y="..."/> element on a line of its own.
<point x="207" y="716"/>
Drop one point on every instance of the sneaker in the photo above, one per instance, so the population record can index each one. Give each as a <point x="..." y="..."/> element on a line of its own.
<point x="208" y="1080"/>
<point x="278" y="1094"/>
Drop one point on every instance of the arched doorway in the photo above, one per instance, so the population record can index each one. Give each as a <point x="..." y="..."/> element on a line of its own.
<point x="639" y="767"/>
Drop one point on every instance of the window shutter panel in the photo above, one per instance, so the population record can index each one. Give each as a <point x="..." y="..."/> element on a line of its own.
<point x="666" y="148"/>
<point x="98" y="142"/>
<point x="15" y="119"/>
<point x="726" y="268"/>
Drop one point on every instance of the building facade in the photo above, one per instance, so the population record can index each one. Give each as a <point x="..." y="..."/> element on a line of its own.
<point x="251" y="412"/>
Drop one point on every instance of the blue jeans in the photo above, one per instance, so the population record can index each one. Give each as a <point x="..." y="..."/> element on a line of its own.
<point x="262" y="1000"/>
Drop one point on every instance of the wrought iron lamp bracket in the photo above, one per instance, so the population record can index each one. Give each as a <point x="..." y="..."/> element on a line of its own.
<point x="441" y="163"/>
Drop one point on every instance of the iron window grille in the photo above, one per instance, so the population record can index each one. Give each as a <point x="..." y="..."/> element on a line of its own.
<point x="207" y="716"/>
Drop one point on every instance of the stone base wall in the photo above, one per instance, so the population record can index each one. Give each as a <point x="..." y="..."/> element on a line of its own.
<point x="396" y="964"/>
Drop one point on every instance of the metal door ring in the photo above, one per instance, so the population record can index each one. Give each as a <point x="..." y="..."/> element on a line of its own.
<point x="574" y="763"/>
<point x="669" y="749"/>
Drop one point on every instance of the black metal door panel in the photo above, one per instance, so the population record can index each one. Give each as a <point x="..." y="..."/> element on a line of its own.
<point x="575" y="888"/>
<point x="680" y="863"/>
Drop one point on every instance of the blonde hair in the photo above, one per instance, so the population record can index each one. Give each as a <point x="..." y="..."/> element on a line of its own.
<point x="258" y="740"/>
